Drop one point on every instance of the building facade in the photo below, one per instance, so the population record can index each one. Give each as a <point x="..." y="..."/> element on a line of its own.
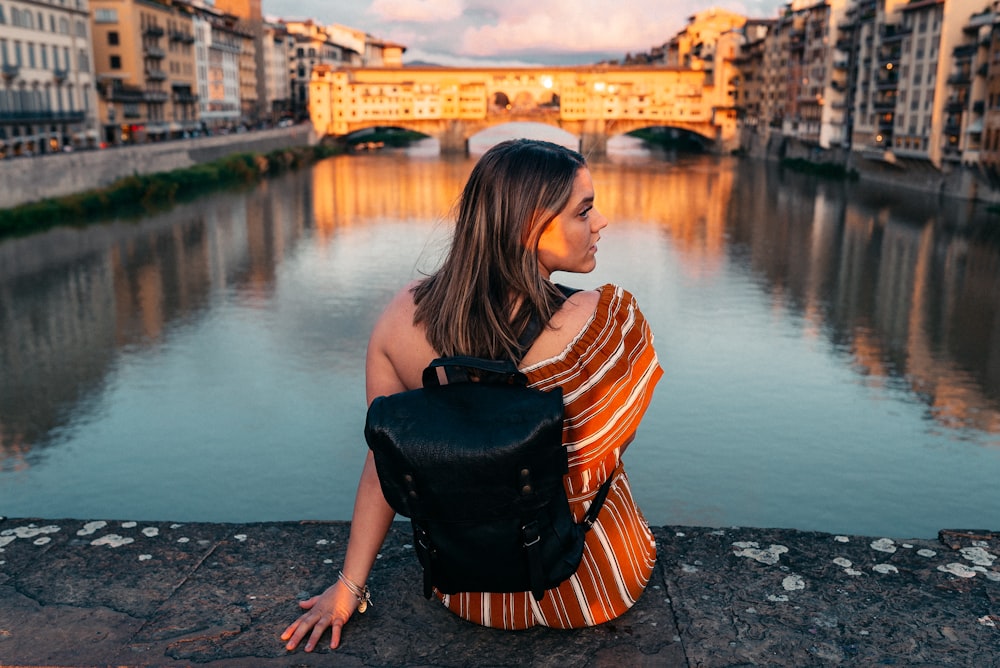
<point x="144" y="58"/>
<point x="48" y="100"/>
<point x="277" y="45"/>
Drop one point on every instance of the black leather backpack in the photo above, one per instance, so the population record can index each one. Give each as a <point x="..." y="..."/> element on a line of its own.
<point x="477" y="464"/>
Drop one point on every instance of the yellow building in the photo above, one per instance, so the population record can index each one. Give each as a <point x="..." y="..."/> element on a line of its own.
<point x="595" y="101"/>
<point x="144" y="60"/>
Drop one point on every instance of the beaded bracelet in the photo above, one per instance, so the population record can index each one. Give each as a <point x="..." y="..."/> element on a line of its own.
<point x="363" y="594"/>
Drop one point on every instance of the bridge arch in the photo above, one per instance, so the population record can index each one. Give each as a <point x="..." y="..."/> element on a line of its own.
<point x="481" y="141"/>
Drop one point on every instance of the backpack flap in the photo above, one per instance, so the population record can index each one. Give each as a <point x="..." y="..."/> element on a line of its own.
<point x="456" y="452"/>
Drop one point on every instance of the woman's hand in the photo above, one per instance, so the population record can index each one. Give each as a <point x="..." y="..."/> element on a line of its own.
<point x="330" y="609"/>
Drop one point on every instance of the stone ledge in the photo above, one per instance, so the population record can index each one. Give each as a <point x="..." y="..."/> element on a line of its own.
<point x="77" y="593"/>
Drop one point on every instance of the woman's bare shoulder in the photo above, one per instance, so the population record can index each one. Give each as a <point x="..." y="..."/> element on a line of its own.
<point x="574" y="315"/>
<point x="398" y="349"/>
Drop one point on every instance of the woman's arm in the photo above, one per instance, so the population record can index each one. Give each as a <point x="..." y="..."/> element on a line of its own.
<point x="387" y="371"/>
<point x="369" y="525"/>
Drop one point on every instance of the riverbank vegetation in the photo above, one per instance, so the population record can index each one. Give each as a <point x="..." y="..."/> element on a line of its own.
<point x="137" y="195"/>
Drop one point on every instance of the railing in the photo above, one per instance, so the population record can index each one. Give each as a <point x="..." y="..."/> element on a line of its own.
<point x="154" y="52"/>
<point x="43" y="116"/>
<point x="155" y="96"/>
<point x="125" y="95"/>
<point x="11" y="71"/>
<point x="60" y="74"/>
<point x="894" y="33"/>
<point x="154" y="30"/>
<point x="887" y="82"/>
<point x="156" y="75"/>
<point x="965" y="50"/>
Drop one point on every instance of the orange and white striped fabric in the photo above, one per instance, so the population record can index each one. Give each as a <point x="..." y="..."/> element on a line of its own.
<point x="607" y="375"/>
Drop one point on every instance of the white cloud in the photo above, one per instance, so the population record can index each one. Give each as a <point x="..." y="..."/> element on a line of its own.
<point x="418" y="11"/>
<point x="448" y="31"/>
<point x="576" y="26"/>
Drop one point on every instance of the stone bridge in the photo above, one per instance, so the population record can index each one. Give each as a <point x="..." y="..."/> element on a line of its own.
<point x="591" y="102"/>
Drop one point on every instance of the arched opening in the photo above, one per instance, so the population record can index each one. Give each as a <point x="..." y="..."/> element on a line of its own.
<point x="481" y="142"/>
<point x="501" y="102"/>
<point x="673" y="139"/>
<point x="381" y="136"/>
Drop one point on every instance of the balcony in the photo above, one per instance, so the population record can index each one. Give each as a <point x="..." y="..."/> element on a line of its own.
<point x="890" y="82"/>
<point x="893" y="33"/>
<point x="965" y="50"/>
<point x="977" y="21"/>
<point x="154" y="52"/>
<point x="60" y="74"/>
<point x="156" y="75"/>
<point x="10" y="72"/>
<point x="154" y="96"/>
<point x="185" y="98"/>
<point x="42" y="116"/>
<point x="181" y="36"/>
<point x="885" y="104"/>
<point x="953" y="106"/>
<point x="154" y="30"/>
<point x="125" y="94"/>
<point x="960" y="79"/>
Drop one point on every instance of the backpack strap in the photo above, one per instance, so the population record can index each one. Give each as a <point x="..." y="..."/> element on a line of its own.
<point x="532" y="539"/>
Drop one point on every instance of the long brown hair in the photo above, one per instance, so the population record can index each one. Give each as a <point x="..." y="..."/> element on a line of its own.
<point x="489" y="287"/>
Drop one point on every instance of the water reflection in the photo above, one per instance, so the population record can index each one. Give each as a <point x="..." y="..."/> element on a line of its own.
<point x="236" y="326"/>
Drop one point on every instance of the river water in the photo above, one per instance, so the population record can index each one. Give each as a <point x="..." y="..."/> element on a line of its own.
<point x="832" y="351"/>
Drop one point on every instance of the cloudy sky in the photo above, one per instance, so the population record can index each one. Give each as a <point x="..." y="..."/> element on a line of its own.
<point x="515" y="32"/>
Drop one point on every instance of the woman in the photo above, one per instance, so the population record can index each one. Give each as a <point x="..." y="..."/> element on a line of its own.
<point x="527" y="211"/>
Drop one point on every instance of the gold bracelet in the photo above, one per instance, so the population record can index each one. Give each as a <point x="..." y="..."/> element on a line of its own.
<point x="363" y="594"/>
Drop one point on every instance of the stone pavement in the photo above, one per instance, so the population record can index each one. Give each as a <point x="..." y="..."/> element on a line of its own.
<point x="77" y="593"/>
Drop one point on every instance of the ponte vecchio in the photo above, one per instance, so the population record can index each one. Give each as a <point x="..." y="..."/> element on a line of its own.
<point x="593" y="102"/>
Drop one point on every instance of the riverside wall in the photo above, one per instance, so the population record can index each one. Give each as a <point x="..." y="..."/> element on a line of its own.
<point x="967" y="182"/>
<point x="165" y="594"/>
<point x="24" y="180"/>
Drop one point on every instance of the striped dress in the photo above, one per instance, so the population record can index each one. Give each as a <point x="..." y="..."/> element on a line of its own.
<point x="607" y="374"/>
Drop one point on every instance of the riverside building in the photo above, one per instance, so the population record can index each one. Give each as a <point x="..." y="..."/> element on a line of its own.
<point x="145" y="63"/>
<point x="48" y="101"/>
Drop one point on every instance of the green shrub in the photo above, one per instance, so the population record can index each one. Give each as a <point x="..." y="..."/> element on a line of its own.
<point x="142" y="194"/>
